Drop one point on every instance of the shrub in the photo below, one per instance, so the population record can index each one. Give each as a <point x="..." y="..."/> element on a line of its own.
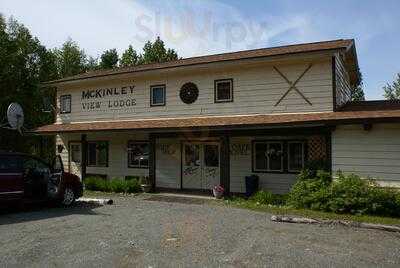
<point x="309" y="192"/>
<point x="268" y="198"/>
<point x="117" y="185"/>
<point x="95" y="184"/>
<point x="350" y="194"/>
<point x="347" y="194"/>
<point x="132" y="186"/>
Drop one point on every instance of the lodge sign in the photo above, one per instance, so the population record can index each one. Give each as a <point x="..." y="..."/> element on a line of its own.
<point x="108" y="98"/>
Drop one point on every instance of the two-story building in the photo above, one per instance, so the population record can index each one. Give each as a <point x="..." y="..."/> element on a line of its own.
<point x="197" y="122"/>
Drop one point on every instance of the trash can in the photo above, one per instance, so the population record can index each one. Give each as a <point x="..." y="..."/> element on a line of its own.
<point x="251" y="185"/>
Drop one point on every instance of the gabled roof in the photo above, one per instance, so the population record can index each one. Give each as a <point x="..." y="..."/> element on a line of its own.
<point x="346" y="44"/>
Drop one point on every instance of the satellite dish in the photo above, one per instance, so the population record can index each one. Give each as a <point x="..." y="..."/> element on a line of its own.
<point x="15" y="116"/>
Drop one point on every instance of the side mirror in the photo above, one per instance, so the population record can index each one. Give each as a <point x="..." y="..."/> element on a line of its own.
<point x="58" y="166"/>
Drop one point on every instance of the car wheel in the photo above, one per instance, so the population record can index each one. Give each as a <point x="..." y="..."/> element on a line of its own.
<point x="68" y="197"/>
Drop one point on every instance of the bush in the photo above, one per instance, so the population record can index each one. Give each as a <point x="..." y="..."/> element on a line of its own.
<point x="268" y="198"/>
<point x="95" y="184"/>
<point x="347" y="194"/>
<point x="310" y="192"/>
<point x="133" y="186"/>
<point x="116" y="185"/>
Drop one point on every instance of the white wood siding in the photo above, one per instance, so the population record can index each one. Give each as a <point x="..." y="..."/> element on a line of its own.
<point x="240" y="165"/>
<point x="117" y="154"/>
<point x="256" y="90"/>
<point x="343" y="88"/>
<point x="371" y="154"/>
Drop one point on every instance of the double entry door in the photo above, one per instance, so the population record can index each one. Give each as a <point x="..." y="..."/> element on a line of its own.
<point x="200" y="165"/>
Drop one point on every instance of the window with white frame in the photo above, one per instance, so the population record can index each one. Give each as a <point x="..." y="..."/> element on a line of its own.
<point x="268" y="156"/>
<point x="157" y="95"/>
<point x="138" y="154"/>
<point x="223" y="90"/>
<point x="97" y="153"/>
<point x="279" y="156"/>
<point x="65" y="104"/>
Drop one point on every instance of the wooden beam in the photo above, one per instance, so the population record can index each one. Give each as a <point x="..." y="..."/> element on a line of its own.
<point x="293" y="85"/>
<point x="152" y="160"/>
<point x="225" y="164"/>
<point x="83" y="155"/>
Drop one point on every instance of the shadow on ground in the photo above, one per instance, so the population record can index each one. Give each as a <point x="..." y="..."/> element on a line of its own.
<point x="177" y="199"/>
<point x="34" y="212"/>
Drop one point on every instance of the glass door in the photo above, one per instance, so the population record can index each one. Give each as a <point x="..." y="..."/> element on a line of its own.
<point x="191" y="166"/>
<point x="210" y="166"/>
<point x="200" y="167"/>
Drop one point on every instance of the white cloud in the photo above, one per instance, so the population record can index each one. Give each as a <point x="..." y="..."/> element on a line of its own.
<point x="193" y="28"/>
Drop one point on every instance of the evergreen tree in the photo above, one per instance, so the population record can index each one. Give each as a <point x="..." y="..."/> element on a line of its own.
<point x="392" y="91"/>
<point x="157" y="53"/>
<point x="109" y="59"/>
<point x="24" y="63"/>
<point x="129" y="57"/>
<point x="357" y="93"/>
<point x="71" y="59"/>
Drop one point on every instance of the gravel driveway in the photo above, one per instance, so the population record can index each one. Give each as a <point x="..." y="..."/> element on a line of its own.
<point x="160" y="232"/>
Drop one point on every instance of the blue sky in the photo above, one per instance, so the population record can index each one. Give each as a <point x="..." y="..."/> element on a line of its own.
<point x="199" y="27"/>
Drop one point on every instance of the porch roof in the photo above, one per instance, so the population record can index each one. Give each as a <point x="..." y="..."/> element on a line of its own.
<point x="345" y="116"/>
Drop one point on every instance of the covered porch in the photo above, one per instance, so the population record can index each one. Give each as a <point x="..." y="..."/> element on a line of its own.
<point x="196" y="160"/>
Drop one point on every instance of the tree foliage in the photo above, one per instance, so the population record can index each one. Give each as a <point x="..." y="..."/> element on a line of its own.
<point x="24" y="62"/>
<point x="392" y="91"/>
<point x="70" y="59"/>
<point x="155" y="52"/>
<point x="357" y="93"/>
<point x="109" y="59"/>
<point x="129" y="57"/>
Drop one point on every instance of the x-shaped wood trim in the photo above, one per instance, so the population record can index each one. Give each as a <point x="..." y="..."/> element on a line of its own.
<point x="293" y="85"/>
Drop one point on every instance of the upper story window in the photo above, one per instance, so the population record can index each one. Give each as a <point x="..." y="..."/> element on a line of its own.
<point x="97" y="153"/>
<point x="157" y="95"/>
<point x="223" y="90"/>
<point x="65" y="104"/>
<point x="138" y="154"/>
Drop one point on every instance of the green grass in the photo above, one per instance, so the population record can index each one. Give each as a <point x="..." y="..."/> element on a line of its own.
<point x="283" y="210"/>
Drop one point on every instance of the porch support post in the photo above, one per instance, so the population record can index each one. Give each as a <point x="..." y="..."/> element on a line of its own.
<point x="83" y="155"/>
<point x="152" y="161"/>
<point x="225" y="164"/>
<point x="328" y="142"/>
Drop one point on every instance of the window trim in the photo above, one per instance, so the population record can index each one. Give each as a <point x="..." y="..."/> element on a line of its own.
<point x="285" y="158"/>
<point x="303" y="143"/>
<point x="268" y="170"/>
<point x="216" y="88"/>
<point x="67" y="96"/>
<point x="127" y="159"/>
<point x="151" y="95"/>
<point x="107" y="156"/>
<point x="74" y="143"/>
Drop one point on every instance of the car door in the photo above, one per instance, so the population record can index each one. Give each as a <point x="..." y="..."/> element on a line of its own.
<point x="36" y="177"/>
<point x="11" y="177"/>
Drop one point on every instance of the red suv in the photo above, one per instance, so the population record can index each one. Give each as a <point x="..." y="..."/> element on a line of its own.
<point x="28" y="178"/>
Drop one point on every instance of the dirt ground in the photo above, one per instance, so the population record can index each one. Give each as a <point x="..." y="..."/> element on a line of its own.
<point x="154" y="231"/>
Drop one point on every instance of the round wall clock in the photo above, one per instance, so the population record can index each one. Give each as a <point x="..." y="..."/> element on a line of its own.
<point x="189" y="93"/>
